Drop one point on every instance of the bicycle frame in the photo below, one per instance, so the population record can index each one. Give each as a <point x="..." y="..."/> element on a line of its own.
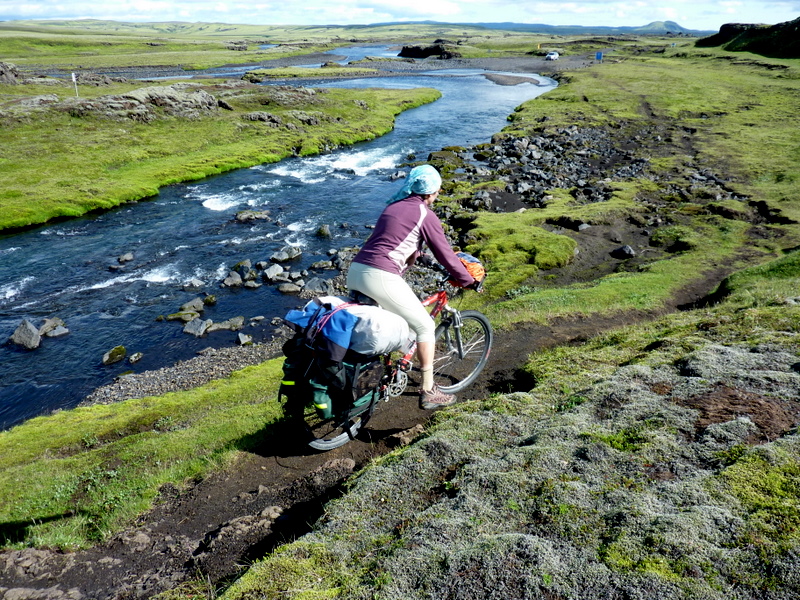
<point x="439" y="301"/>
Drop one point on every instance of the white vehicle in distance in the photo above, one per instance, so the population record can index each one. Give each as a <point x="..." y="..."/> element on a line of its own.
<point x="551" y="56"/>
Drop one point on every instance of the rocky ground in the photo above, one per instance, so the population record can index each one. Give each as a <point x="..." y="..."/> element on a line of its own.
<point x="219" y="524"/>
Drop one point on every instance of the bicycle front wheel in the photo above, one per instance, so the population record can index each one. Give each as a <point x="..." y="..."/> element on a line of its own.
<point x="461" y="353"/>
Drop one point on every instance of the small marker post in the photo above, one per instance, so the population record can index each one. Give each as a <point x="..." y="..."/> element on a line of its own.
<point x="75" y="81"/>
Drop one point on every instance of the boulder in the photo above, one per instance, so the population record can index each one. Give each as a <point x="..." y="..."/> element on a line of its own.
<point x="196" y="305"/>
<point x="135" y="357"/>
<point x="114" y="355"/>
<point x="59" y="331"/>
<point x="321" y="265"/>
<point x="279" y="257"/>
<point x="232" y="280"/>
<point x="50" y="325"/>
<point x="97" y="79"/>
<point x="286" y="254"/>
<point x="197" y="327"/>
<point x="272" y="272"/>
<point x="264" y="117"/>
<point x="318" y="287"/>
<point x="248" y="216"/>
<point x="193" y="284"/>
<point x="127" y="257"/>
<point x="26" y="335"/>
<point x="289" y="288"/>
<point x="439" y="50"/>
<point x="234" y="324"/>
<point x="244" y="340"/>
<point x="185" y="316"/>
<point x="9" y="74"/>
<point x="623" y="252"/>
<point x="324" y="231"/>
<point x="242" y="267"/>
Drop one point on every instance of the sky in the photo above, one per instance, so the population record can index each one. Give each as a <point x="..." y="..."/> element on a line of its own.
<point x="691" y="14"/>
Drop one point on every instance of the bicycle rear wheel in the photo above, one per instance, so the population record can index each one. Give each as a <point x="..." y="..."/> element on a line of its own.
<point x="453" y="372"/>
<point x="328" y="433"/>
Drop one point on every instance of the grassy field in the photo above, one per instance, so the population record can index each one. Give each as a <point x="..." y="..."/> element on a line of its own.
<point x="83" y="473"/>
<point x="87" y="44"/>
<point x="740" y="115"/>
<point x="122" y="160"/>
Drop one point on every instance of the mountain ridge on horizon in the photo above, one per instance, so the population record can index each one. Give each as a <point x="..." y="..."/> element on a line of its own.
<point x="652" y="28"/>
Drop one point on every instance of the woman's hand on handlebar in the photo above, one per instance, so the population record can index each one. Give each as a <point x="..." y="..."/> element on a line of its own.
<point x="475" y="285"/>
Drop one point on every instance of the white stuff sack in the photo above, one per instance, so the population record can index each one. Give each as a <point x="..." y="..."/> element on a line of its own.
<point x="377" y="331"/>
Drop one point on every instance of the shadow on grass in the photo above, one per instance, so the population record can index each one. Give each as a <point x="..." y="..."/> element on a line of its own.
<point x="15" y="532"/>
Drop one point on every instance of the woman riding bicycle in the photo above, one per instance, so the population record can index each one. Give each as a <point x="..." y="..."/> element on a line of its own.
<point x="396" y="243"/>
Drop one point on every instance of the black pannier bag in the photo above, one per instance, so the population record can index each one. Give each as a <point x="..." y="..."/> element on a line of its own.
<point x="332" y="386"/>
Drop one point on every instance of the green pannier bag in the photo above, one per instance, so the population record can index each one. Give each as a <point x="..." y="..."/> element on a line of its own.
<point x="331" y="388"/>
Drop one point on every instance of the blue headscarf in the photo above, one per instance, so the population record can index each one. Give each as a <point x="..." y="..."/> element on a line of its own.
<point x="422" y="180"/>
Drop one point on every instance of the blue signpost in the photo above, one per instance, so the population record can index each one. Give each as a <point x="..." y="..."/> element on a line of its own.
<point x="599" y="57"/>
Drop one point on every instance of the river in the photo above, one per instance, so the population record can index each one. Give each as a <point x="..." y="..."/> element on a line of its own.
<point x="187" y="231"/>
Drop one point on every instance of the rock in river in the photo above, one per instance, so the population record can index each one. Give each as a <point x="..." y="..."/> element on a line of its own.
<point x="26" y="335"/>
<point x="197" y="327"/>
<point x="114" y="355"/>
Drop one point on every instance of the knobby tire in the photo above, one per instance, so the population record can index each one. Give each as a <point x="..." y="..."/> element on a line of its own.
<point x="327" y="434"/>
<point x="450" y="372"/>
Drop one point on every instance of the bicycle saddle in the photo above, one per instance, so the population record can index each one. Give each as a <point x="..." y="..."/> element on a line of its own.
<point x="361" y="298"/>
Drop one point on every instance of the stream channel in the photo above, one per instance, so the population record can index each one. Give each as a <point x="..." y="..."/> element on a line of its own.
<point x="188" y="231"/>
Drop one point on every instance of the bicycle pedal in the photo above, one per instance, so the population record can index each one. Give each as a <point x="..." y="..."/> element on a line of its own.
<point x="403" y="364"/>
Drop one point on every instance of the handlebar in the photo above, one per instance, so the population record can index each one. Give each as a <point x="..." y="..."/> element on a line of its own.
<point x="445" y="278"/>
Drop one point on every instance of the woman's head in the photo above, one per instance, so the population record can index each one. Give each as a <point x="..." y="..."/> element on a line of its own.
<point x="423" y="180"/>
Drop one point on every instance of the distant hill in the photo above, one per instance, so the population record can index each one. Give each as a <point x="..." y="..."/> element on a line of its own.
<point x="776" y="41"/>
<point x="654" y="28"/>
<point x="659" y="28"/>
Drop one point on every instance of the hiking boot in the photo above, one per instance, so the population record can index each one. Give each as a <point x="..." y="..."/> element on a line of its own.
<point x="435" y="398"/>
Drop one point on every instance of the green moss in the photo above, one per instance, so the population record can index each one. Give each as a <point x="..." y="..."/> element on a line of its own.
<point x="516" y="247"/>
<point x="769" y="489"/>
<point x="626" y="440"/>
<point x="75" y="477"/>
<point x="303" y="570"/>
<point x="126" y="161"/>
<point x="676" y="238"/>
